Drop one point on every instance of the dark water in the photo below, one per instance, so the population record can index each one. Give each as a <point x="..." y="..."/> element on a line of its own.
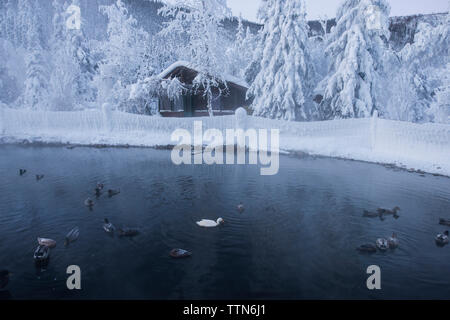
<point x="295" y="240"/>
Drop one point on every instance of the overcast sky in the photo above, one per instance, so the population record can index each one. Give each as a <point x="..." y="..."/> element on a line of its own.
<point x="320" y="8"/>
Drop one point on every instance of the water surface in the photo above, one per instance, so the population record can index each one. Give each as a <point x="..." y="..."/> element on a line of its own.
<point x="295" y="240"/>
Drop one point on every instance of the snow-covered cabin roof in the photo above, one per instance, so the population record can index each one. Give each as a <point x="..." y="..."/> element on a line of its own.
<point x="185" y="64"/>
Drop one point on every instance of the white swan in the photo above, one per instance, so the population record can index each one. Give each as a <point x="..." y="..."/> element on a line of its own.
<point x="210" y="223"/>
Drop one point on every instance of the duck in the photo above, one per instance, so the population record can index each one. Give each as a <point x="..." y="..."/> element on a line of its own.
<point x="39" y="177"/>
<point x="89" y="202"/>
<point x="4" y="278"/>
<point x="108" y="226"/>
<point x="393" y="212"/>
<point x="368" y="248"/>
<point x="444" y="222"/>
<point x="72" y="236"/>
<point x="127" y="232"/>
<point x="240" y="207"/>
<point x="442" y="239"/>
<point x="98" y="189"/>
<point x="180" y="253"/>
<point x="112" y="193"/>
<point x="42" y="253"/>
<point x="382" y="244"/>
<point x="393" y="241"/>
<point x="22" y="171"/>
<point x="46" y="242"/>
<point x="368" y="214"/>
<point x="210" y="223"/>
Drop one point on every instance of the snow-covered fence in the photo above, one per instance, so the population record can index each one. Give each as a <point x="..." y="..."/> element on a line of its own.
<point x="424" y="146"/>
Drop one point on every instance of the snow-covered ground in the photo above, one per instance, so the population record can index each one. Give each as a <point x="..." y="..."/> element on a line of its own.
<point x="414" y="146"/>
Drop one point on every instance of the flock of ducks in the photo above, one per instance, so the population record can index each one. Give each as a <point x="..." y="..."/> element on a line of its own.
<point x="392" y="242"/>
<point x="42" y="253"/>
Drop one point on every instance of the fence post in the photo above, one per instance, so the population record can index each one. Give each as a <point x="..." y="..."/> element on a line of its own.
<point x="107" y="117"/>
<point x="2" y="118"/>
<point x="241" y="118"/>
<point x="373" y="130"/>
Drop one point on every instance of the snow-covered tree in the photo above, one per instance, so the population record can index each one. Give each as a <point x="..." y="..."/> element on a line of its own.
<point x="72" y="68"/>
<point x="124" y="54"/>
<point x="240" y="53"/>
<point x="201" y="22"/>
<point x="357" y="48"/>
<point x="36" y="61"/>
<point x="282" y="83"/>
<point x="426" y="62"/>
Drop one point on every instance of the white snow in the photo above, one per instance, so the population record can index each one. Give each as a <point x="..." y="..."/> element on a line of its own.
<point x="189" y="65"/>
<point x="420" y="146"/>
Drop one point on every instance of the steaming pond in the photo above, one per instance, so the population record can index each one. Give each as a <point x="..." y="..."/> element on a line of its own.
<point x="296" y="238"/>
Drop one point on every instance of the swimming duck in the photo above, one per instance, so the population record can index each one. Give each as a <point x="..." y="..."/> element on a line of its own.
<point x="180" y="253"/>
<point x="46" y="242"/>
<point x="39" y="177"/>
<point x="98" y="189"/>
<point x="382" y="244"/>
<point x="442" y="239"/>
<point x="393" y="241"/>
<point x="108" y="226"/>
<point x="42" y="253"/>
<point x="210" y="223"/>
<point x="240" y="208"/>
<point x="369" y="248"/>
<point x="368" y="214"/>
<point x="444" y="222"/>
<point x="72" y="236"/>
<point x="388" y="211"/>
<point x="127" y="232"/>
<point x="4" y="278"/>
<point x="89" y="203"/>
<point x="22" y="171"/>
<point x="112" y="193"/>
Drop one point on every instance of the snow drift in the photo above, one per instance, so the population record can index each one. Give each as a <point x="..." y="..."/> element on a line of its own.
<point x="419" y="146"/>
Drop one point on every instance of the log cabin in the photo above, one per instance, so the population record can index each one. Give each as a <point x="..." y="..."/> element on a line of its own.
<point x="193" y="103"/>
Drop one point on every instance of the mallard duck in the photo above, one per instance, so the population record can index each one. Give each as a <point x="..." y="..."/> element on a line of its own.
<point x="39" y="177"/>
<point x="382" y="244"/>
<point x="89" y="202"/>
<point x="240" y="208"/>
<point x="42" y="253"/>
<point x="22" y="171"/>
<point x="210" y="223"/>
<point x="393" y="241"/>
<point x="108" y="226"/>
<point x="127" y="232"/>
<point x="444" y="222"/>
<point x="180" y="253"/>
<point x="369" y="248"/>
<point x="112" y="193"/>
<point x="442" y="239"/>
<point x="46" y="242"/>
<point x="72" y="236"/>
<point x="4" y="278"/>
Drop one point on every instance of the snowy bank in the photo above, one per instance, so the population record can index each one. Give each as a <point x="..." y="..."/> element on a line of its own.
<point x="422" y="147"/>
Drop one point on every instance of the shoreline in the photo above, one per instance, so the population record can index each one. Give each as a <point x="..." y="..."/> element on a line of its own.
<point x="299" y="154"/>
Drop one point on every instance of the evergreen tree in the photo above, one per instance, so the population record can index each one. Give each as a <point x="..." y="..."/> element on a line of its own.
<point x="36" y="61"/>
<point x="357" y="47"/>
<point x="281" y="85"/>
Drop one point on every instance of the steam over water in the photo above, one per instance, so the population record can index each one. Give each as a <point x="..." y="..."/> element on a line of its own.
<point x="296" y="238"/>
